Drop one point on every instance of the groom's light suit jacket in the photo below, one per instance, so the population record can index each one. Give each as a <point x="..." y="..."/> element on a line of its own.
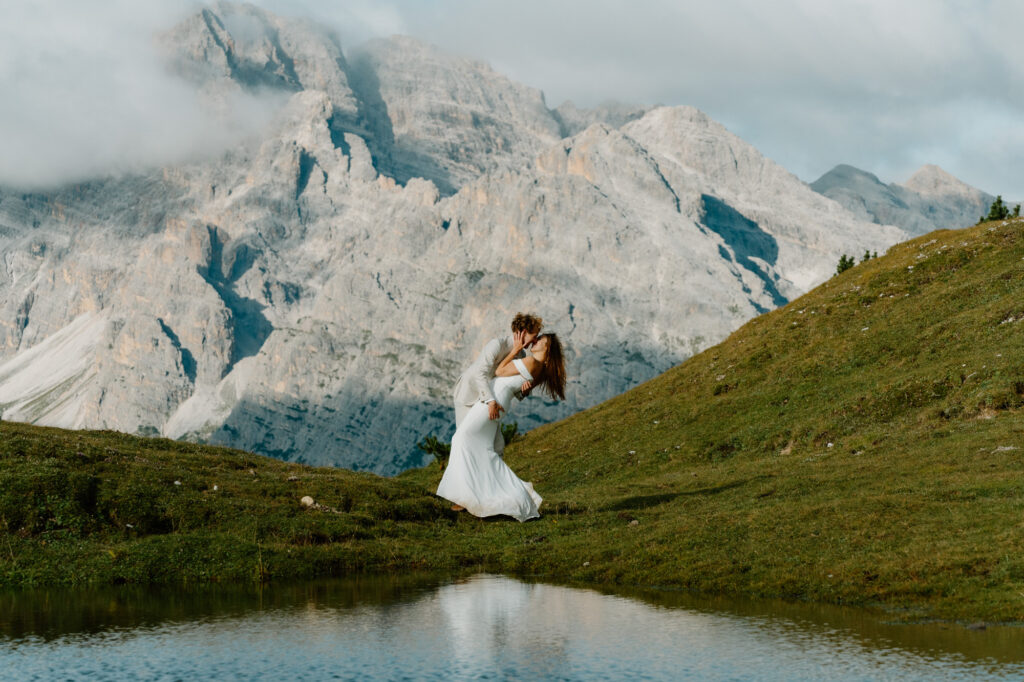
<point x="474" y="385"/>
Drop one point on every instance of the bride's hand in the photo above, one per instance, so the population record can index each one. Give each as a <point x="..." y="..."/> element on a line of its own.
<point x="526" y="388"/>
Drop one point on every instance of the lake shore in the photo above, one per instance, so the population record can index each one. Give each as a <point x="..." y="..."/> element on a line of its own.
<point x="107" y="508"/>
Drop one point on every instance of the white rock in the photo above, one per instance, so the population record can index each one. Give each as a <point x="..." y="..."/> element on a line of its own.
<point x="304" y="296"/>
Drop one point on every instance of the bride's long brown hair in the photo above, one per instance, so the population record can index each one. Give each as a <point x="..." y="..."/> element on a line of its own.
<point x="552" y="374"/>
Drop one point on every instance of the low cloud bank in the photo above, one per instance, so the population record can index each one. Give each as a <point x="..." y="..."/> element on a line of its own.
<point x="884" y="86"/>
<point x="87" y="93"/>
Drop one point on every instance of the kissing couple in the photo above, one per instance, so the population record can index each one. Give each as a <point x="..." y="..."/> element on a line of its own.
<point x="477" y="478"/>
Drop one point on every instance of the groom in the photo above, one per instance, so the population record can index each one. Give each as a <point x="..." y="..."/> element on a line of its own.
<point x="474" y="385"/>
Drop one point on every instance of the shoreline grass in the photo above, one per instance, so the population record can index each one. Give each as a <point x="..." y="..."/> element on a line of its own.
<point x="862" y="445"/>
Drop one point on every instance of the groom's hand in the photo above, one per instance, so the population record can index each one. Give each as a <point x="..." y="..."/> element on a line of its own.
<point x="519" y="339"/>
<point x="494" y="409"/>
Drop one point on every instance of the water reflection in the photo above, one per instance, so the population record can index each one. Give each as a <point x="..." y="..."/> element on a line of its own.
<point x="53" y="612"/>
<point x="484" y="627"/>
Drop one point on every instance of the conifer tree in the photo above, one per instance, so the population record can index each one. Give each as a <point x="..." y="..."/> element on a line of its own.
<point x="845" y="263"/>
<point x="999" y="210"/>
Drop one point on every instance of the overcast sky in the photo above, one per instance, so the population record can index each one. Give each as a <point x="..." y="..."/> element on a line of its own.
<point x="885" y="85"/>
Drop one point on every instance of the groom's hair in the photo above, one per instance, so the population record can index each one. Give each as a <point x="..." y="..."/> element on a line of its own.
<point x="526" y="322"/>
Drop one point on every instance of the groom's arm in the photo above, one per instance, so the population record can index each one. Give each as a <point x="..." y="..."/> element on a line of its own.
<point x="483" y="372"/>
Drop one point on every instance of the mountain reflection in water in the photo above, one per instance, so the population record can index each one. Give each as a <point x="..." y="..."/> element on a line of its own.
<point x="483" y="627"/>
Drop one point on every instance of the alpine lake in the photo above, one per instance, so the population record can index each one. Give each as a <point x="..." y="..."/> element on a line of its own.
<point x="483" y="627"/>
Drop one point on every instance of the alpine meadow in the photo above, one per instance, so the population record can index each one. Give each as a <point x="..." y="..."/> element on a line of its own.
<point x="859" y="445"/>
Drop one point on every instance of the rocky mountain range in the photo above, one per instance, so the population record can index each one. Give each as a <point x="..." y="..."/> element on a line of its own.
<point x="931" y="199"/>
<point x="313" y="292"/>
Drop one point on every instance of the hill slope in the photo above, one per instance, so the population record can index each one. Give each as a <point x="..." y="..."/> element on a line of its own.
<point x="861" y="445"/>
<point x="863" y="442"/>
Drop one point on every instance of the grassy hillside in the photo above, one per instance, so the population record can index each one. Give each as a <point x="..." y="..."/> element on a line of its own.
<point x="861" y="445"/>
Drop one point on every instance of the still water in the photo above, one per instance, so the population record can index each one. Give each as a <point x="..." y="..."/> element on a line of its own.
<point x="485" y="627"/>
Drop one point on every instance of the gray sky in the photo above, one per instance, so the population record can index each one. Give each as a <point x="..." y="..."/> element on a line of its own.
<point x="885" y="85"/>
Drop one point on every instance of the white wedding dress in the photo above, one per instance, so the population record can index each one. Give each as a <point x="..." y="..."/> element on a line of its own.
<point x="476" y="477"/>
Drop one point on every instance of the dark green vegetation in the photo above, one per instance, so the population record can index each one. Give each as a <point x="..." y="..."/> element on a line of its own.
<point x="863" y="445"/>
<point x="847" y="262"/>
<point x="1000" y="211"/>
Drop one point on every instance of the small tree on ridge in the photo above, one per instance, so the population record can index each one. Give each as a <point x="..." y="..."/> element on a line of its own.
<point x="845" y="263"/>
<point x="998" y="210"/>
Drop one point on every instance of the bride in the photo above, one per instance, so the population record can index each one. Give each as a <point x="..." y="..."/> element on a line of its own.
<point x="477" y="479"/>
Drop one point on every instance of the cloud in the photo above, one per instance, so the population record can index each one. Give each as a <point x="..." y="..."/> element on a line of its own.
<point x="354" y="21"/>
<point x="886" y="85"/>
<point x="86" y="93"/>
<point x="881" y="84"/>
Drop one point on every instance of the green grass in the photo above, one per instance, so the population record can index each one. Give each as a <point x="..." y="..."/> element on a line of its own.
<point x="862" y="445"/>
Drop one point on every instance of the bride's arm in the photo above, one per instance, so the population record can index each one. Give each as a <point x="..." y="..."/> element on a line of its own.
<point x="509" y="370"/>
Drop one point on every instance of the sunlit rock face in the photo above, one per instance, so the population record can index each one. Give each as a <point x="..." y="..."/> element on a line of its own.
<point x="445" y="118"/>
<point x="313" y="293"/>
<point x="931" y="199"/>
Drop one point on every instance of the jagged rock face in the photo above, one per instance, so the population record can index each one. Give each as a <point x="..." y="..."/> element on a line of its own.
<point x="449" y="119"/>
<point x="574" y="120"/>
<point x="292" y="298"/>
<point x="931" y="199"/>
<point x="241" y="47"/>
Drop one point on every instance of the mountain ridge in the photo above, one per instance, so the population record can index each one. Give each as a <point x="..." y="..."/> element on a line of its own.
<point x="299" y="296"/>
<point x="930" y="199"/>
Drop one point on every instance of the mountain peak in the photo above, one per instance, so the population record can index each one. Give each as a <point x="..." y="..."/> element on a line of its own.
<point x="844" y="174"/>
<point x="932" y="180"/>
<point x="931" y="199"/>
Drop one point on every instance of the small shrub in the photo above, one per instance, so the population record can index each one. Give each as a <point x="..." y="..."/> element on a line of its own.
<point x="845" y="263"/>
<point x="437" y="448"/>
<point x="441" y="450"/>
<point x="509" y="432"/>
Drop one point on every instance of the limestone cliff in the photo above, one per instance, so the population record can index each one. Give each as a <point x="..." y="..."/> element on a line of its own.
<point x="313" y="293"/>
